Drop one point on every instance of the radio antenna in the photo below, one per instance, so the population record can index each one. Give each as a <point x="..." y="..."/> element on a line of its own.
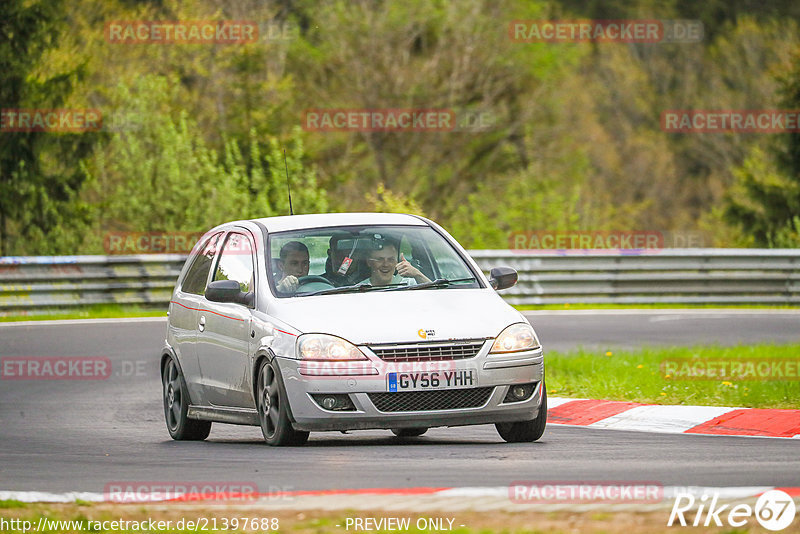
<point x="288" y="188"/>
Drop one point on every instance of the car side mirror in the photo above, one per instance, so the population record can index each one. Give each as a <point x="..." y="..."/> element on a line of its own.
<point x="502" y="277"/>
<point x="228" y="291"/>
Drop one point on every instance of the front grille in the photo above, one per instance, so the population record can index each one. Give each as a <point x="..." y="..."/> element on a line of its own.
<point x="426" y="352"/>
<point x="423" y="401"/>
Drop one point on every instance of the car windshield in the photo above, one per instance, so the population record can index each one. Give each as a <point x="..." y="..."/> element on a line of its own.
<point x="362" y="259"/>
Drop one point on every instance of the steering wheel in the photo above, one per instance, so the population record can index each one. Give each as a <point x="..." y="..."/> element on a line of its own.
<point x="313" y="279"/>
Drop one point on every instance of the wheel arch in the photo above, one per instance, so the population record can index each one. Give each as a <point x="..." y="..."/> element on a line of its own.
<point x="269" y="356"/>
<point x="166" y="354"/>
<point x="261" y="355"/>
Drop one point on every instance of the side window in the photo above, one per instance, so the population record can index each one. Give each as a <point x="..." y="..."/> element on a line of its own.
<point x="236" y="262"/>
<point x="196" y="276"/>
<point x="446" y="261"/>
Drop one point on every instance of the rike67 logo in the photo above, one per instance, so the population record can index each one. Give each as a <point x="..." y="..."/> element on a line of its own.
<point x="774" y="510"/>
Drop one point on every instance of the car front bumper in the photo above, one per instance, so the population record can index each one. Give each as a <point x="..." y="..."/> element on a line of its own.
<point x="361" y="381"/>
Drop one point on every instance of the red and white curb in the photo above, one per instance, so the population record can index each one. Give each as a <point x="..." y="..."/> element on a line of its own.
<point x="605" y="496"/>
<point x="705" y="420"/>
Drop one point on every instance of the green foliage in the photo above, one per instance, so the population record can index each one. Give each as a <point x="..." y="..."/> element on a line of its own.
<point x="787" y="236"/>
<point x="764" y="201"/>
<point x="387" y="201"/>
<point x="195" y="133"/>
<point x="159" y="174"/>
<point x="39" y="177"/>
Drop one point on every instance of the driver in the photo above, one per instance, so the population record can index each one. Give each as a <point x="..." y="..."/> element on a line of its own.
<point x="293" y="264"/>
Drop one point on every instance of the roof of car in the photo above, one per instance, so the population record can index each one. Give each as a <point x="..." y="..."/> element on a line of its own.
<point x="317" y="220"/>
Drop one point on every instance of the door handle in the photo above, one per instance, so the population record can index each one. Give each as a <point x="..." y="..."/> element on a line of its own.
<point x="202" y="324"/>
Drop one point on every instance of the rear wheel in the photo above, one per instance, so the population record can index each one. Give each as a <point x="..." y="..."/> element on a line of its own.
<point x="525" y="431"/>
<point x="408" y="432"/>
<point x="273" y="409"/>
<point x="176" y="406"/>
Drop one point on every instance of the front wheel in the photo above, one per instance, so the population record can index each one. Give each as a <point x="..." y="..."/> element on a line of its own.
<point x="176" y="406"/>
<point x="525" y="431"/>
<point x="273" y="409"/>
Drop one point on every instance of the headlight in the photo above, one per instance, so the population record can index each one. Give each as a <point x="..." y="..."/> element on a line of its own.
<point x="515" y="338"/>
<point x="327" y="348"/>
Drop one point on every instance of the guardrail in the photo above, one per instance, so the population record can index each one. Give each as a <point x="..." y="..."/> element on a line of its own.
<point x="48" y="283"/>
<point x="677" y="276"/>
<point x="705" y="276"/>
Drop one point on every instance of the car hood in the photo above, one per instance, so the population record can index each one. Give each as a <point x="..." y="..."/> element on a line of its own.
<point x="400" y="316"/>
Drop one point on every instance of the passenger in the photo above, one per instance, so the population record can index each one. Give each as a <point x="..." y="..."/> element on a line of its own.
<point x="341" y="269"/>
<point x="383" y="262"/>
<point x="293" y="264"/>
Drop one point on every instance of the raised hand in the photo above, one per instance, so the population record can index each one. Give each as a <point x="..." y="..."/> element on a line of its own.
<point x="406" y="270"/>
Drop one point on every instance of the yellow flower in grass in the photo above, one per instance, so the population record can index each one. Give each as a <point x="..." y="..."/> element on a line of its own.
<point x="608" y="353"/>
<point x="726" y="383"/>
<point x="639" y="366"/>
<point x="663" y="394"/>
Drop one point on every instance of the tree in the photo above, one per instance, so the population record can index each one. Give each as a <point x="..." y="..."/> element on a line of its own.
<point x="765" y="198"/>
<point x="39" y="171"/>
<point x="159" y="174"/>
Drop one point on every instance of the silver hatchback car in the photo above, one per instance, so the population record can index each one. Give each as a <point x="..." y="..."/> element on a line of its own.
<point x="342" y="322"/>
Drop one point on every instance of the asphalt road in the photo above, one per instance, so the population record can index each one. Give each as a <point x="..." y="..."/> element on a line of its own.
<point x="61" y="436"/>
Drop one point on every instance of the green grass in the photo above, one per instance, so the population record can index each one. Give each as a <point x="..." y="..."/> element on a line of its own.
<point x="11" y="503"/>
<point x="637" y="376"/>
<point x="99" y="311"/>
<point x="656" y="306"/>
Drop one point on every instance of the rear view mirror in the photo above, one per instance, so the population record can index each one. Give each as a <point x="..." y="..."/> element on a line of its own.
<point x="502" y="277"/>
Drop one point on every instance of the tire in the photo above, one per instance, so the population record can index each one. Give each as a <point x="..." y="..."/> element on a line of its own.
<point x="525" y="431"/>
<point x="176" y="406"/>
<point x="273" y="408"/>
<point x="408" y="432"/>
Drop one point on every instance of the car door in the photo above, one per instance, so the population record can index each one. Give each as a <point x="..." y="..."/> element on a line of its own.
<point x="184" y="308"/>
<point x="223" y="338"/>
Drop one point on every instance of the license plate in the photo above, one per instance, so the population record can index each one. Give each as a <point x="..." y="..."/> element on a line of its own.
<point x="426" y="380"/>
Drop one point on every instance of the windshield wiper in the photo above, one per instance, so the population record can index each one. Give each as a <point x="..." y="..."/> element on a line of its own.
<point x="356" y="288"/>
<point x="439" y="282"/>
